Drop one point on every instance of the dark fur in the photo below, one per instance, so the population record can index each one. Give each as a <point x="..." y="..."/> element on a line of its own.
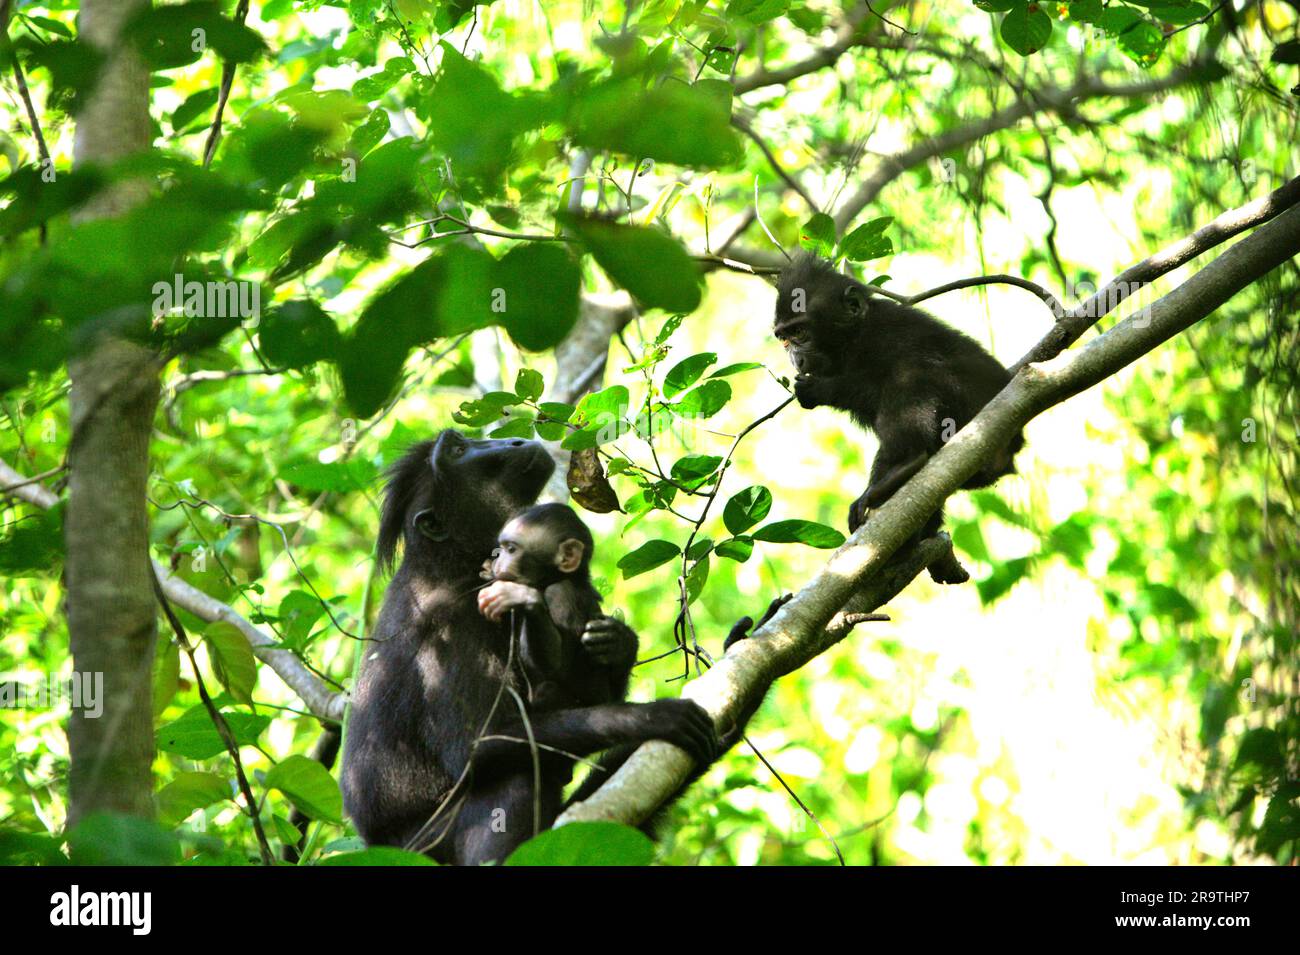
<point x="429" y="679"/>
<point x="561" y="671"/>
<point x="899" y="372"/>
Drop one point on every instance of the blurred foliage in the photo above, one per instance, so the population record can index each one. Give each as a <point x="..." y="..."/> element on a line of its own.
<point x="398" y="181"/>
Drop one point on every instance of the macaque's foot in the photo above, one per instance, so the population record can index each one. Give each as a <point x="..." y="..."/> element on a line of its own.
<point x="859" y="512"/>
<point x="948" y="570"/>
<point x="740" y="629"/>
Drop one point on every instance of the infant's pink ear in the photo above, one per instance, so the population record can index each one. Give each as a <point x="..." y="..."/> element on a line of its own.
<point x="569" y="557"/>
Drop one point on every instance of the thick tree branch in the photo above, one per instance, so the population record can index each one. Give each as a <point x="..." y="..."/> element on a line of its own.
<point x="112" y="619"/>
<point x="797" y="632"/>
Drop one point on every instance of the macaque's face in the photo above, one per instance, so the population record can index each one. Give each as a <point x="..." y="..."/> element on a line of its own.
<point x="528" y="554"/>
<point x="816" y="320"/>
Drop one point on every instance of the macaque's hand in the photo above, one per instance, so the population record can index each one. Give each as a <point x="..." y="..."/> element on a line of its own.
<point x="497" y="598"/>
<point x="610" y="641"/>
<point x="808" y="391"/>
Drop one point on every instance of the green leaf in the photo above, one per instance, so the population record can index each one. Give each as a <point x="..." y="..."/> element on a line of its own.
<point x="309" y="786"/>
<point x="1086" y="11"/>
<point x="696" y="578"/>
<point x="738" y="549"/>
<point x="997" y="6"/>
<point x="33" y="546"/>
<point x="969" y="539"/>
<point x="370" y="88"/>
<point x="1115" y="20"/>
<point x="396" y="320"/>
<point x="800" y="532"/>
<point x="1260" y="748"/>
<point x="516" y="426"/>
<point x="370" y="133"/>
<point x="687" y="372"/>
<point x="586" y="844"/>
<point x="377" y="856"/>
<point x="232" y="658"/>
<point x="193" y="107"/>
<point x="746" y="509"/>
<point x="700" y="549"/>
<point x="1181" y="13"/>
<point x="471" y="119"/>
<point x="757" y="11"/>
<point x="705" y="401"/>
<point x="485" y="410"/>
<point x="166" y="37"/>
<point x="529" y="384"/>
<point x="868" y="241"/>
<point x="736" y="369"/>
<point x="188" y="792"/>
<point x="672" y="123"/>
<point x="556" y="411"/>
<point x="297" y="334"/>
<point x="194" y="736"/>
<point x="694" y="470"/>
<point x="647" y="557"/>
<point x="536" y="293"/>
<point x="818" y="235"/>
<point x="49" y="25"/>
<point x="1026" y="30"/>
<point x="1143" y="43"/>
<point x="649" y="264"/>
<point x="1005" y="576"/>
<point x="104" y="838"/>
<point x="353" y="474"/>
<point x="1281" y="825"/>
<point x="299" y="611"/>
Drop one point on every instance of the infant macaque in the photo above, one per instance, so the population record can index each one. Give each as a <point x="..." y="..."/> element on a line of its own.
<point x="572" y="655"/>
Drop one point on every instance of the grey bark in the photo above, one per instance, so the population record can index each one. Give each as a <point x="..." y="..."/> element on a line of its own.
<point x="115" y="385"/>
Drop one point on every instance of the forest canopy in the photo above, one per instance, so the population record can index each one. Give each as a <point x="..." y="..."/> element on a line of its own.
<point x="252" y="252"/>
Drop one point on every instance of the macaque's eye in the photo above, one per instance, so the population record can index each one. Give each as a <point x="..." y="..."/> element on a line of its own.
<point x="458" y="451"/>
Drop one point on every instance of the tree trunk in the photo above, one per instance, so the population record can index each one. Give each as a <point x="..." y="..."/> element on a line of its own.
<point x="115" y="384"/>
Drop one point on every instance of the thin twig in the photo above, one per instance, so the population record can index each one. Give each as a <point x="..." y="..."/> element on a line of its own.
<point x="218" y="718"/>
<point x="227" y="80"/>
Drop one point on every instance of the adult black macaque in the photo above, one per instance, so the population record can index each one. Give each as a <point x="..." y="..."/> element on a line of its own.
<point x="903" y="374"/>
<point x="437" y="757"/>
<point x="542" y="571"/>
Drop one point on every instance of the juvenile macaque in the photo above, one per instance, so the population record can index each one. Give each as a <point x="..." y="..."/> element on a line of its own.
<point x="542" y="568"/>
<point x="903" y="374"/>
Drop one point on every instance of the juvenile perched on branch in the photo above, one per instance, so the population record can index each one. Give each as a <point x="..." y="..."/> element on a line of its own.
<point x="899" y="372"/>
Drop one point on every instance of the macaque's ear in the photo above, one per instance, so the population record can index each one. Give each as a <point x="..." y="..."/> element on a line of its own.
<point x="855" y="301"/>
<point x="568" y="557"/>
<point x="430" y="525"/>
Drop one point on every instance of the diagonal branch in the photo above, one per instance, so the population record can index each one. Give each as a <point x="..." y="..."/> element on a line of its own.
<point x="847" y="36"/>
<point x="1079" y="319"/>
<point x="797" y="632"/>
<point x="1061" y="101"/>
<point x="314" y="692"/>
